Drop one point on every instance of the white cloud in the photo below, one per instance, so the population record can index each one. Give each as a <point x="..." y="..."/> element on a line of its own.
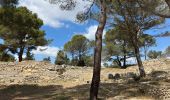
<point x="90" y="32"/>
<point x="46" y="51"/>
<point x="51" y="14"/>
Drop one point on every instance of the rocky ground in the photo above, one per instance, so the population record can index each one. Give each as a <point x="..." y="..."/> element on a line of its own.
<point x="30" y="80"/>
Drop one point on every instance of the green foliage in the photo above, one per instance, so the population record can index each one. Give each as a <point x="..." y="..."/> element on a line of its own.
<point x="117" y="45"/>
<point x="115" y="42"/>
<point x="152" y="6"/>
<point x="131" y="20"/>
<point x="74" y="61"/>
<point x="8" y="3"/>
<point x="88" y="60"/>
<point x="61" y="58"/>
<point x="78" y="47"/>
<point x="146" y="41"/>
<point x="24" y="30"/>
<point x="154" y="54"/>
<point x="48" y="59"/>
<point x="29" y="56"/>
<point x="6" y="57"/>
<point x="167" y="51"/>
<point x="105" y="65"/>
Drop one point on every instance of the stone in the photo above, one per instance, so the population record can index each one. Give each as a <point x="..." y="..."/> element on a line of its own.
<point x="110" y="76"/>
<point x="117" y="76"/>
<point x="130" y="75"/>
<point x="88" y="82"/>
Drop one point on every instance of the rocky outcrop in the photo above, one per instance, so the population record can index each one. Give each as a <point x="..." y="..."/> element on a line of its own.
<point x="29" y="72"/>
<point x="33" y="72"/>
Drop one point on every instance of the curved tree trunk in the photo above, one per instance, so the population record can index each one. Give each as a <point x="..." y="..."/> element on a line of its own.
<point x="97" y="53"/>
<point x="139" y="61"/>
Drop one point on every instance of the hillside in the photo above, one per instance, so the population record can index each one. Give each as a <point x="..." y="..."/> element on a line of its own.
<point x="74" y="81"/>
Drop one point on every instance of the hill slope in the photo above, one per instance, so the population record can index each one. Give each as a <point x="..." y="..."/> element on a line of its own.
<point x="33" y="79"/>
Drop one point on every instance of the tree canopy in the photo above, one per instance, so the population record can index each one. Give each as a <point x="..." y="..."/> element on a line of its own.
<point x="61" y="58"/>
<point x="23" y="31"/>
<point x="78" y="47"/>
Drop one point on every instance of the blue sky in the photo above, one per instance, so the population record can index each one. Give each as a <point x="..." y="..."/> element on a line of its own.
<point x="61" y="26"/>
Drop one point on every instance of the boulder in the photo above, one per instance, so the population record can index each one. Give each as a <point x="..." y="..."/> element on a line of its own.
<point x="110" y="76"/>
<point x="117" y="76"/>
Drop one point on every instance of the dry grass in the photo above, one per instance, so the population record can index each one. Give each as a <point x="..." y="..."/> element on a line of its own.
<point x="78" y="89"/>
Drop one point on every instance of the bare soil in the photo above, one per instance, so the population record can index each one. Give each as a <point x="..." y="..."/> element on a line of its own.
<point x="74" y="83"/>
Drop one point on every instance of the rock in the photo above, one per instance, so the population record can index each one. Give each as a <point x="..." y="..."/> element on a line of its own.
<point x="46" y="73"/>
<point x="63" y="66"/>
<point x="159" y="75"/>
<point x="88" y="82"/>
<point x="31" y="79"/>
<point x="130" y="75"/>
<point x="117" y="76"/>
<point x="110" y="76"/>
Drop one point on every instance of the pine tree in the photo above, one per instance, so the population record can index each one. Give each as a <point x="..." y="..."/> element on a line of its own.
<point x="24" y="31"/>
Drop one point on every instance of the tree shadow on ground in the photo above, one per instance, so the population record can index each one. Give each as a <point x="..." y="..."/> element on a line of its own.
<point x="57" y="92"/>
<point x="112" y="91"/>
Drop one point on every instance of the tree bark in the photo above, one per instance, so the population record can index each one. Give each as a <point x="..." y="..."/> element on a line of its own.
<point x="145" y="51"/>
<point x="97" y="53"/>
<point x="124" y="61"/>
<point x="168" y="3"/>
<point x="139" y="61"/>
<point x="20" y="54"/>
<point x="124" y="54"/>
<point x="118" y="61"/>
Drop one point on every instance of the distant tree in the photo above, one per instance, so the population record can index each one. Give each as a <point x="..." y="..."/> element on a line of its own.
<point x="69" y="48"/>
<point x="111" y="50"/>
<point x="88" y="59"/>
<point x="117" y="44"/>
<point x="147" y="41"/>
<point x="131" y="19"/>
<point x="61" y="58"/>
<point x="105" y="65"/>
<point x="24" y="31"/>
<point x="5" y="56"/>
<point x="167" y="51"/>
<point x="154" y="54"/>
<point x="29" y="56"/>
<point x="78" y="47"/>
<point x="74" y="61"/>
<point x="48" y="59"/>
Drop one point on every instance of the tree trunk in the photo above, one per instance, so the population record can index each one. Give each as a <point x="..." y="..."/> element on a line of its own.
<point x="124" y="54"/>
<point x="97" y="53"/>
<point x="145" y="51"/>
<point x="168" y="3"/>
<point x="124" y="61"/>
<point x="139" y="61"/>
<point x="20" y="54"/>
<point x="118" y="61"/>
